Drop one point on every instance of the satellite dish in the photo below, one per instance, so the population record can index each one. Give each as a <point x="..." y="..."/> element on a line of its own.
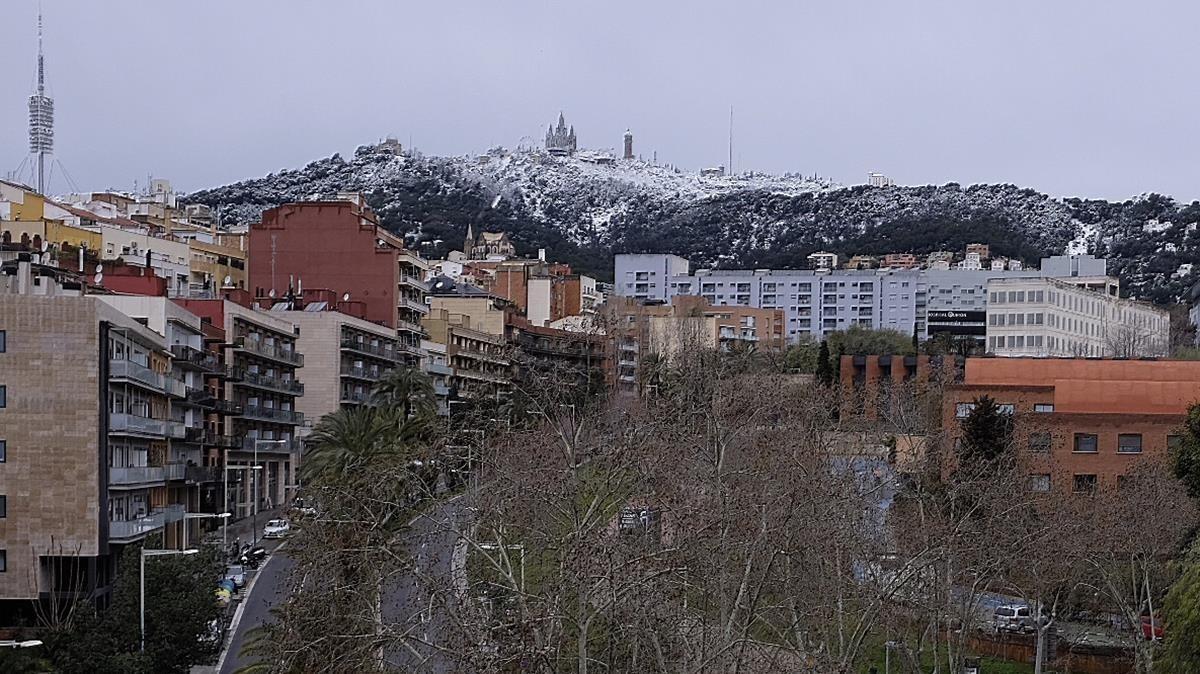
<point x="99" y="268"/>
<point x="99" y="278"/>
<point x="228" y="280"/>
<point x="271" y="294"/>
<point x="346" y="297"/>
<point x="45" y="246"/>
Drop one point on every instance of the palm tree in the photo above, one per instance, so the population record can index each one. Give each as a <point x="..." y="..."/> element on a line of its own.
<point x="345" y="440"/>
<point x="406" y="390"/>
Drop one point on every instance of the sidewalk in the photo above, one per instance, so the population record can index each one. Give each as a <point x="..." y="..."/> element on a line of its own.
<point x="241" y="531"/>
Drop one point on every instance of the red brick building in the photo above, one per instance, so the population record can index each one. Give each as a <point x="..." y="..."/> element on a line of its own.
<point x="338" y="246"/>
<point x="1080" y="423"/>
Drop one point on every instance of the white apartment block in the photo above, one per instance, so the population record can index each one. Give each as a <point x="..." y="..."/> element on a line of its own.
<point x="1049" y="317"/>
<point x="644" y="276"/>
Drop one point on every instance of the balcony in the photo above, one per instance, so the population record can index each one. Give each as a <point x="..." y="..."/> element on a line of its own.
<point x="137" y="373"/>
<point x="268" y="445"/>
<point x="195" y="359"/>
<point x="272" y="414"/>
<point x="414" y="281"/>
<point x="270" y="352"/>
<point x="196" y="434"/>
<point x="412" y="305"/>
<point x="128" y="530"/>
<point x="409" y="326"/>
<point x="441" y="390"/>
<point x="355" y="397"/>
<point x="386" y="352"/>
<point x="482" y="355"/>
<point x="226" y="441"/>
<point x="362" y="373"/>
<point x="136" y="475"/>
<point x="228" y="408"/>
<point x="199" y="474"/>
<point x="129" y="424"/>
<point x="438" y="368"/>
<point x="200" y="397"/>
<point x="262" y="381"/>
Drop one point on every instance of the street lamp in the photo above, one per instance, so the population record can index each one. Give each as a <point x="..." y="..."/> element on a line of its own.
<point x="225" y="523"/>
<point x="9" y="643"/>
<point x="142" y="600"/>
<point x="202" y="516"/>
<point x="254" y="480"/>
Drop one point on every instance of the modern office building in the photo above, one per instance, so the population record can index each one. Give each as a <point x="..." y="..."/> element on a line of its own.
<point x="1052" y="317"/>
<point x="1080" y="424"/>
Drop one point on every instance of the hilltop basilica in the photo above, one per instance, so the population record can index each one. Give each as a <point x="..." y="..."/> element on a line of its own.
<point x="560" y="140"/>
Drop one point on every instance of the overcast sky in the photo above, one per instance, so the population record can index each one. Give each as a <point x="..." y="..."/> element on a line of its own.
<point x="1088" y="98"/>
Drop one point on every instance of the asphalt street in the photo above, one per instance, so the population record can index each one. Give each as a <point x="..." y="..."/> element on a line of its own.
<point x="264" y="589"/>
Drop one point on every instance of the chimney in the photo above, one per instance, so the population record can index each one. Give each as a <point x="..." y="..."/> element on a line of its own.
<point x="147" y="271"/>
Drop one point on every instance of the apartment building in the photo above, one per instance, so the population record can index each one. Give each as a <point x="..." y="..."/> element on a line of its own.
<point x="94" y="445"/>
<point x="646" y="276"/>
<point x="479" y="360"/>
<point x="263" y="364"/>
<point x="1080" y="424"/>
<point x="636" y="329"/>
<point x="347" y="355"/>
<point x="928" y="301"/>
<point x="339" y="246"/>
<point x="436" y="365"/>
<point x="1052" y="317"/>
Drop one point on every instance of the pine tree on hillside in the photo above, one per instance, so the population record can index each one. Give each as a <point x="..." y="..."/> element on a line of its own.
<point x="986" y="432"/>
<point x="824" y="366"/>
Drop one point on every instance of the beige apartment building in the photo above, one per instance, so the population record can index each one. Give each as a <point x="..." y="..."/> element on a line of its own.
<point x="347" y="355"/>
<point x="87" y="462"/>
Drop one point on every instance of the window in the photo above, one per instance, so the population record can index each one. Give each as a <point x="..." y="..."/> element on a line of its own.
<point x="3" y="561"/>
<point x="3" y="396"/>
<point x="3" y="341"/>
<point x="1129" y="443"/>
<point x="1039" y="442"/>
<point x="1085" y="442"/>
<point x="1044" y="408"/>
<point x="1085" y="484"/>
<point x="963" y="410"/>
<point x="1039" y="482"/>
<point x="1006" y="408"/>
<point x="3" y="506"/>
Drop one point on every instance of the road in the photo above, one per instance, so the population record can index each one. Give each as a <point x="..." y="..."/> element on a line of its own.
<point x="263" y="590"/>
<point x="421" y="603"/>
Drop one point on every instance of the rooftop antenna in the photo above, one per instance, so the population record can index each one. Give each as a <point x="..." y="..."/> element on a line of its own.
<point x="41" y="117"/>
<point x="731" y="140"/>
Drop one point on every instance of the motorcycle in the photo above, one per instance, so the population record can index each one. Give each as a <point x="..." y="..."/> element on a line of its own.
<point x="251" y="558"/>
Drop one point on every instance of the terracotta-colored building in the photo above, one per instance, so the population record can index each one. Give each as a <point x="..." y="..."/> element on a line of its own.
<point x="1080" y="423"/>
<point x="338" y="245"/>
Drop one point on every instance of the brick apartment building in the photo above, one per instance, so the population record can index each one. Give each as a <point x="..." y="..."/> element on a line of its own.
<point x="1080" y="423"/>
<point x="338" y="245"/>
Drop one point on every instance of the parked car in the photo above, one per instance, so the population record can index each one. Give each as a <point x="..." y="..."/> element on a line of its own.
<point x="1014" y="618"/>
<point x="302" y="508"/>
<point x="276" y="529"/>
<point x="236" y="573"/>
<point x="1152" y="631"/>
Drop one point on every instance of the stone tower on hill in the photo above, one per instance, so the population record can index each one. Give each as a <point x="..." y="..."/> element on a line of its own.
<point x="560" y="140"/>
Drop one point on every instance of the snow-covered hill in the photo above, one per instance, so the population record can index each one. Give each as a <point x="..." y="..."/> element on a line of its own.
<point x="583" y="208"/>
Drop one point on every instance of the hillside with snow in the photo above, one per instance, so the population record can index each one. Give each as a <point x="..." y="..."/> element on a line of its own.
<point x="586" y="207"/>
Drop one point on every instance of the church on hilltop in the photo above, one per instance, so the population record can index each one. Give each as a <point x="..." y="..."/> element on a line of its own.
<point x="488" y="246"/>
<point x="560" y="140"/>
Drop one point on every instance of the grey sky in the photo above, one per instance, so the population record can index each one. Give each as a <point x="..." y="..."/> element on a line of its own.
<point x="1096" y="99"/>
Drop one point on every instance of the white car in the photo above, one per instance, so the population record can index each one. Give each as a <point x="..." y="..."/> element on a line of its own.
<point x="277" y="529"/>
<point x="236" y="573"/>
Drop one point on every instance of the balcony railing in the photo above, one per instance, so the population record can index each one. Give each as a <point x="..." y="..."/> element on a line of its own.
<point x="355" y="397"/>
<point x="195" y="434"/>
<point x="414" y="281"/>
<point x="272" y="414"/>
<point x="386" y="352"/>
<point x="361" y="373"/>
<point x="410" y="326"/>
<point x="201" y="397"/>
<point x="265" y="445"/>
<point x="136" y="475"/>
<point x="228" y="408"/>
<point x="192" y="357"/>
<point x="412" y="305"/>
<point x="198" y="474"/>
<point x="289" y="386"/>
<point x="269" y="351"/>
<point x="438" y="368"/>
<point x="226" y="441"/>
<point x="128" y="423"/>
<point x="127" y="369"/>
<point x="141" y="526"/>
<point x="441" y="390"/>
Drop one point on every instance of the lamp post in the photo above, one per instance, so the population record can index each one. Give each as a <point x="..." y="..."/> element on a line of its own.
<point x="142" y="599"/>
<point x="225" y="523"/>
<point x="254" y="483"/>
<point x="201" y="516"/>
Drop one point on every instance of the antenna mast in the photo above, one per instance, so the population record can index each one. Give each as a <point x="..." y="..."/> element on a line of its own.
<point x="731" y="140"/>
<point x="41" y="118"/>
